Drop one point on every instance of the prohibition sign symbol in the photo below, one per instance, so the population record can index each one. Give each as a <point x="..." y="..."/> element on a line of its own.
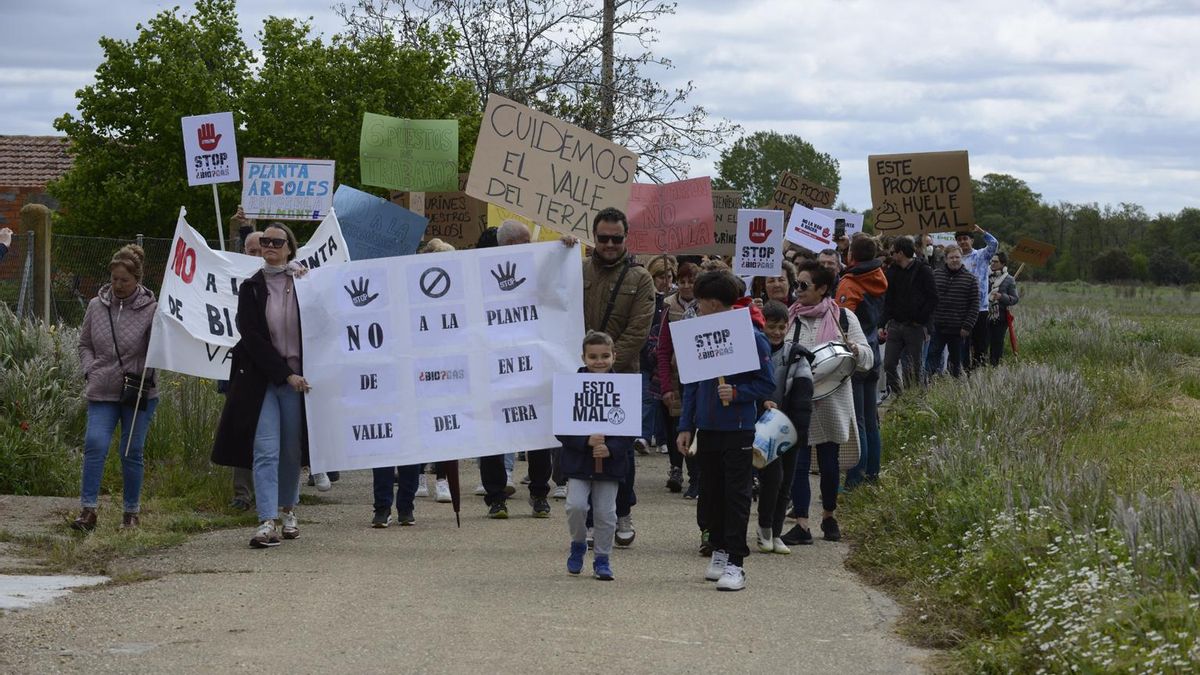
<point x="435" y="282"/>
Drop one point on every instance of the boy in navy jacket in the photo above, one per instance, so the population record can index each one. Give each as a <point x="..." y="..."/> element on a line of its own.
<point x="594" y="466"/>
<point x="725" y="415"/>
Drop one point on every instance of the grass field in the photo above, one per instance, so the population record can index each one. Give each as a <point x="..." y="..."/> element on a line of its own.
<point x="1044" y="515"/>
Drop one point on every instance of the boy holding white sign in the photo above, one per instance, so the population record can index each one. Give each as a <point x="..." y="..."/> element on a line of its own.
<point x="725" y="409"/>
<point x="594" y="466"/>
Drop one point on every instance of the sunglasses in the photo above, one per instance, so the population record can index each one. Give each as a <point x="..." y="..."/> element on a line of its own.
<point x="272" y="242"/>
<point x="804" y="285"/>
<point x="610" y="238"/>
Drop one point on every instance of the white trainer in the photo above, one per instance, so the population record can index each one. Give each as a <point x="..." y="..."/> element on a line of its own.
<point x="732" y="579"/>
<point x="321" y="480"/>
<point x="781" y="547"/>
<point x="442" y="487"/>
<point x="480" y="490"/>
<point x="625" y="532"/>
<point x="291" y="529"/>
<point x="766" y="543"/>
<point x="560" y="492"/>
<point x="717" y="565"/>
<point x="422" y="486"/>
<point x="509" y="487"/>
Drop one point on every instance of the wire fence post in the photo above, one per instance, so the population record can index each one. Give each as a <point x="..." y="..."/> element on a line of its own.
<point x="26" y="277"/>
<point x="139" y="238"/>
<point x="36" y="218"/>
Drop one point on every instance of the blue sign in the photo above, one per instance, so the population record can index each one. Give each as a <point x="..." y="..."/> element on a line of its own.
<point x="375" y="227"/>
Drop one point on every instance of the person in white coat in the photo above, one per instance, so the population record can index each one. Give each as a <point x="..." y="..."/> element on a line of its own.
<point x="817" y="319"/>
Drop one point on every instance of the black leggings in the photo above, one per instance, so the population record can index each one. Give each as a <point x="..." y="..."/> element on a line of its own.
<point x="827" y="461"/>
<point x="775" y="490"/>
<point x="997" y="331"/>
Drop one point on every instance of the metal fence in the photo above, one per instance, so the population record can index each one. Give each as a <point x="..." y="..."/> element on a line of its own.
<point x="78" y="268"/>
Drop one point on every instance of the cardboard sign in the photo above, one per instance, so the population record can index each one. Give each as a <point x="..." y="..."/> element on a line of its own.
<point x="853" y="222"/>
<point x="375" y="227"/>
<point x="210" y="149"/>
<point x="597" y="403"/>
<point x="418" y="155"/>
<point x="759" y="243"/>
<point x="1031" y="252"/>
<point x="793" y="189"/>
<point x="454" y="217"/>
<point x="287" y="189"/>
<point x="714" y="345"/>
<point x="432" y="357"/>
<point x="670" y="217"/>
<point x="810" y="229"/>
<point x="547" y="170"/>
<point x="921" y="192"/>
<point x="195" y="325"/>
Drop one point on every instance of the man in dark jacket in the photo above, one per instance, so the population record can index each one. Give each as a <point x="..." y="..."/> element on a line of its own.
<point x="862" y="291"/>
<point x="907" y="308"/>
<point x="955" y="315"/>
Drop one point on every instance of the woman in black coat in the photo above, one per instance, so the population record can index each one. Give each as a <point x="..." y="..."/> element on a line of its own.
<point x="262" y="425"/>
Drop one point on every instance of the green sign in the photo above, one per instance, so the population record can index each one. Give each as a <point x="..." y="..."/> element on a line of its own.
<point x="416" y="155"/>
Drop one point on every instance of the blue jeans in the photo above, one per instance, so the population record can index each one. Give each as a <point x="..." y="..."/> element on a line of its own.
<point x="277" y="451"/>
<point x="827" y="463"/>
<point x="102" y="419"/>
<point x="406" y="487"/>
<point x="950" y="342"/>
<point x="870" y="441"/>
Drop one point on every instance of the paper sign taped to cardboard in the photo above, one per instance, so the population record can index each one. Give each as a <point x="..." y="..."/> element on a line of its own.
<point x="759" y="251"/>
<point x="210" y="149"/>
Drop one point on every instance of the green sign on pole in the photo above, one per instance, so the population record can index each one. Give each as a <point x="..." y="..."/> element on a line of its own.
<point x="415" y="155"/>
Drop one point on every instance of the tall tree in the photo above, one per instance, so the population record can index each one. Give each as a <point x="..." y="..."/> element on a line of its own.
<point x="754" y="163"/>
<point x="128" y="175"/>
<point x="548" y="55"/>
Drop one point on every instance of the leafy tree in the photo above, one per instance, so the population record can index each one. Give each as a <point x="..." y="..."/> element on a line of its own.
<point x="1004" y="204"/>
<point x="128" y="175"/>
<point x="1168" y="267"/>
<point x="1141" y="266"/>
<point x="546" y="54"/>
<point x="754" y="163"/>
<point x="1113" y="264"/>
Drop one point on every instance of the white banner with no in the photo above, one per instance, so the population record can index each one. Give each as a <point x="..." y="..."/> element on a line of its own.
<point x="437" y="356"/>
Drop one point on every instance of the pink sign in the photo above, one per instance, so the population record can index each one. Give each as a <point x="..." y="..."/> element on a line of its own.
<point x="670" y="217"/>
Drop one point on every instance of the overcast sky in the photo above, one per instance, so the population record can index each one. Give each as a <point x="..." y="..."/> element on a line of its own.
<point x="1086" y="100"/>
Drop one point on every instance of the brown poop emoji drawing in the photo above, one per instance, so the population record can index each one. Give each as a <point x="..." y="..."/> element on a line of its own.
<point x="888" y="218"/>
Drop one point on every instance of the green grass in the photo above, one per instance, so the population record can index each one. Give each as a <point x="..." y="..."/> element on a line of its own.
<point x="1043" y="515"/>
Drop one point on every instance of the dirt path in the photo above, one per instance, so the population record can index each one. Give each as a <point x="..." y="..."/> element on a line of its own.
<point x="492" y="596"/>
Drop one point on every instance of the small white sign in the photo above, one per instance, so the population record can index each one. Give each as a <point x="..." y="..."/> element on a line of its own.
<point x="715" y="345"/>
<point x="210" y="149"/>
<point x="853" y="221"/>
<point x="597" y="403"/>
<point x="943" y="239"/>
<point x="287" y="189"/>
<point x="759" y="250"/>
<point x="810" y="229"/>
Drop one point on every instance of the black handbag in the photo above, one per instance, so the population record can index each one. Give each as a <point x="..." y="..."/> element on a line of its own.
<point x="133" y="385"/>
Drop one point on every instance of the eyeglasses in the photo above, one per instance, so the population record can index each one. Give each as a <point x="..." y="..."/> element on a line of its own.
<point x="610" y="238"/>
<point x="272" y="242"/>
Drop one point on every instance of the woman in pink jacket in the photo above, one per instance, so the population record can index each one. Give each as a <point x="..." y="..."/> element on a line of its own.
<point x="112" y="344"/>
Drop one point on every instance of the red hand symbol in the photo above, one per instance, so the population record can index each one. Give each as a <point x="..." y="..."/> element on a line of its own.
<point x="208" y="137"/>
<point x="759" y="231"/>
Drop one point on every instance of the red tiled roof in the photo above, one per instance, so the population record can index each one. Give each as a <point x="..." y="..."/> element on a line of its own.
<point x="32" y="161"/>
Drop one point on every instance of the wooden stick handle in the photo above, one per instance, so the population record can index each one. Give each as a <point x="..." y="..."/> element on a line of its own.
<point x="599" y="465"/>
<point x="1018" y="273"/>
<point x="721" y="380"/>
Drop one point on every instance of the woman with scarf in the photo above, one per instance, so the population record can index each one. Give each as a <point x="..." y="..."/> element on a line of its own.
<point x="262" y="425"/>
<point x="1002" y="294"/>
<point x="817" y="319"/>
<point x="113" y="341"/>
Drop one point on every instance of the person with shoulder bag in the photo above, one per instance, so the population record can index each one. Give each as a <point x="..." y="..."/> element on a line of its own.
<point x="119" y="388"/>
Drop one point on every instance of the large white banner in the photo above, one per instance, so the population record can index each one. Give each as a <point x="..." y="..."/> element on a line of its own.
<point x="437" y="356"/>
<point x="210" y="149"/>
<point x="195" y="327"/>
<point x="287" y="189"/>
<point x="715" y="345"/>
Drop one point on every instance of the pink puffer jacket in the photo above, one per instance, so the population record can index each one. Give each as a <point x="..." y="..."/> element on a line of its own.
<point x="131" y="319"/>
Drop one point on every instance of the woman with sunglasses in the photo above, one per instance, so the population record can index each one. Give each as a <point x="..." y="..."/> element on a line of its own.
<point x="262" y="425"/>
<point x="817" y="319"/>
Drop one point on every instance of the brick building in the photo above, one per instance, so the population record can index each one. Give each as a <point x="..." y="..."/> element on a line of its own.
<point x="27" y="165"/>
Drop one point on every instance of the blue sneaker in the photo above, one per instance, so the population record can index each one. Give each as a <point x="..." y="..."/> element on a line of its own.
<point x="575" y="560"/>
<point x="600" y="568"/>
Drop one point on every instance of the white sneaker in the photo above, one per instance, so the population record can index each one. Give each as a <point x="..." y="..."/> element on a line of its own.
<point x="765" y="542"/>
<point x="442" y="487"/>
<point x="509" y="487"/>
<point x="290" y="527"/>
<point x="560" y="492"/>
<point x="781" y="547"/>
<point x="732" y="579"/>
<point x="625" y="531"/>
<point x="717" y="565"/>
<point x="321" y="480"/>
<point x="664" y="450"/>
<point x="480" y="490"/>
<point x="422" y="486"/>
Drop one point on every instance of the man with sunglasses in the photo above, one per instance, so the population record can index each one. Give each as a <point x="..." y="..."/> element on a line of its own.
<point x="618" y="299"/>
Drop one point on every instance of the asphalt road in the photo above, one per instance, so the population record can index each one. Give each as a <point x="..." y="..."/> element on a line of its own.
<point x="492" y="596"/>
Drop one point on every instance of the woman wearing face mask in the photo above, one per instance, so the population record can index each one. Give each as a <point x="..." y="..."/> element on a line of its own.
<point x="955" y="314"/>
<point x="816" y="319"/>
<point x="1002" y="294"/>
<point x="262" y="425"/>
<point x="112" y="347"/>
